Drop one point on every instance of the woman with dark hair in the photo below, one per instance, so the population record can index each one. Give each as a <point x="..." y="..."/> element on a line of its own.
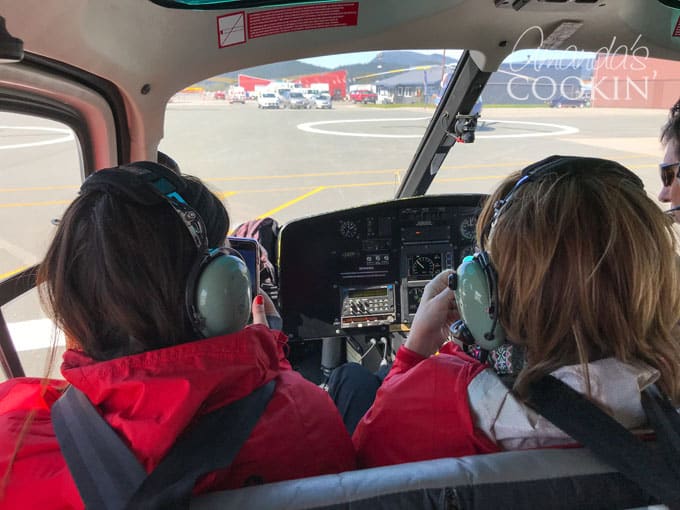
<point x="120" y="279"/>
<point x="582" y="270"/>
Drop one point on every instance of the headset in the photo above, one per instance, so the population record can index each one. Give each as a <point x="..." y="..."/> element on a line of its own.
<point x="218" y="293"/>
<point x="475" y="282"/>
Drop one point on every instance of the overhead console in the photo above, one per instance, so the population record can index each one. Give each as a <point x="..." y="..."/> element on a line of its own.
<point x="365" y="268"/>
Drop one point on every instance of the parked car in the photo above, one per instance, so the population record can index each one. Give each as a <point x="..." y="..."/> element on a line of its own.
<point x="283" y="95"/>
<point x="384" y="99"/>
<point x="363" y="96"/>
<point x="299" y="101"/>
<point x="573" y="102"/>
<point x="219" y="94"/>
<point x="323" y="101"/>
<point x="268" y="100"/>
<point x="237" y="95"/>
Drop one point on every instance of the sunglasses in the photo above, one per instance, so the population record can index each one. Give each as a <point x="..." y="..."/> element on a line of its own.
<point x="669" y="171"/>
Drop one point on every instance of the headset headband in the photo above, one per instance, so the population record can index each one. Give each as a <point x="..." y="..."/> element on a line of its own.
<point x="148" y="183"/>
<point x="554" y="164"/>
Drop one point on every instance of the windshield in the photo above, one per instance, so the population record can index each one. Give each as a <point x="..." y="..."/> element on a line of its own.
<point x="290" y="163"/>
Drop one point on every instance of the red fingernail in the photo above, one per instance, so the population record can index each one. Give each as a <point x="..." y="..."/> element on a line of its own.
<point x="259" y="300"/>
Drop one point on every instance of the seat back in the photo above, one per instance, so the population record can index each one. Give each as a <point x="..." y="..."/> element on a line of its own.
<point x="550" y="478"/>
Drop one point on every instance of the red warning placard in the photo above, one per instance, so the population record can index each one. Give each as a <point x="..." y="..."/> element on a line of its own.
<point x="304" y="17"/>
<point x="676" y="31"/>
<point x="231" y="29"/>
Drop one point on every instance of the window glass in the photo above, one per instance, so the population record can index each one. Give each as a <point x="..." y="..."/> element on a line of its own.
<point x="541" y="103"/>
<point x="41" y="173"/>
<point x="268" y="159"/>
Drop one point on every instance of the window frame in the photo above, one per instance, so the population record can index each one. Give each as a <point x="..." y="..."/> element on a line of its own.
<point x="14" y="99"/>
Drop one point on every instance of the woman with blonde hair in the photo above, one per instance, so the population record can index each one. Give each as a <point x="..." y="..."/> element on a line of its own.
<point x="582" y="278"/>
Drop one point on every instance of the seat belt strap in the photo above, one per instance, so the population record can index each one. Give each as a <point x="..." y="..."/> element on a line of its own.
<point x="665" y="421"/>
<point x="110" y="477"/>
<point x="209" y="446"/>
<point x="605" y="437"/>
<point x="104" y="469"/>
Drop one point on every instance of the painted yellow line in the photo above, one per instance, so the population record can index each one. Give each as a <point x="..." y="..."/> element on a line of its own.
<point x="12" y="273"/>
<point x="518" y="164"/>
<point x="361" y="184"/>
<point x="364" y="184"/>
<point x="469" y="179"/>
<point x="498" y="164"/>
<point x="358" y="185"/>
<point x="297" y="176"/>
<point x="275" y="190"/>
<point x="36" y="204"/>
<point x="37" y="188"/>
<point x="291" y="202"/>
<point x="224" y="194"/>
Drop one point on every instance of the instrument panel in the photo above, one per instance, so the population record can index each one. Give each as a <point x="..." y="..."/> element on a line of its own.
<point x="349" y="271"/>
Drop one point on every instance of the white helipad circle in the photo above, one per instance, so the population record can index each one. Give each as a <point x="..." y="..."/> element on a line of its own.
<point x="310" y="127"/>
<point x="558" y="129"/>
<point x="60" y="139"/>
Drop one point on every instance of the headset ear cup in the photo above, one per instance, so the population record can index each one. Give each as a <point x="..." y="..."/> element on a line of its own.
<point x="222" y="295"/>
<point x="474" y="301"/>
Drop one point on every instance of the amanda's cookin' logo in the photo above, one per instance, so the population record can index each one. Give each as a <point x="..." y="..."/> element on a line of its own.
<point x="614" y="72"/>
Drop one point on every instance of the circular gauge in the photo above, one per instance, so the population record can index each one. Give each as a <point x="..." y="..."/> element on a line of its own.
<point x="348" y="229"/>
<point x="468" y="227"/>
<point x="421" y="265"/>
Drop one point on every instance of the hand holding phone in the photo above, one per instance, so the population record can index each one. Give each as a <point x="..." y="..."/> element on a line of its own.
<point x="264" y="312"/>
<point x="249" y="249"/>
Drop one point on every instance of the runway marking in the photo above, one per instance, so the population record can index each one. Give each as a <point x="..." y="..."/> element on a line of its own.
<point x="224" y="194"/>
<point x="12" y="272"/>
<point x="309" y="127"/>
<point x="291" y="202"/>
<point x="69" y="136"/>
<point x="292" y="176"/>
<point x="36" y="204"/>
<point x="313" y="191"/>
<point x="560" y="129"/>
<point x="37" y="188"/>
<point x="36" y="334"/>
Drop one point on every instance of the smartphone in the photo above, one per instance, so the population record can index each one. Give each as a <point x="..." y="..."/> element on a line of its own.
<point x="250" y="251"/>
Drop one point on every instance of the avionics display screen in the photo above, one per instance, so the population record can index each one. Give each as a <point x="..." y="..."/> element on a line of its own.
<point x="366" y="293"/>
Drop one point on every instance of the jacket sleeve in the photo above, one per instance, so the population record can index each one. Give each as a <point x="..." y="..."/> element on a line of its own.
<point x="404" y="361"/>
<point x="37" y="476"/>
<point x="421" y="412"/>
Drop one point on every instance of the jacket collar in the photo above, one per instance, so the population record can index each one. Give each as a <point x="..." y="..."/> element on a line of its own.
<point x="615" y="387"/>
<point x="151" y="397"/>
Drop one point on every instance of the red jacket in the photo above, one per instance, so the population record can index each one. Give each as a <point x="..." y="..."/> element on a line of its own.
<point x="421" y="411"/>
<point x="150" y="398"/>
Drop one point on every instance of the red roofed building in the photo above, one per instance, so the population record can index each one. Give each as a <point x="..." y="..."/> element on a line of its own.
<point x="336" y="80"/>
